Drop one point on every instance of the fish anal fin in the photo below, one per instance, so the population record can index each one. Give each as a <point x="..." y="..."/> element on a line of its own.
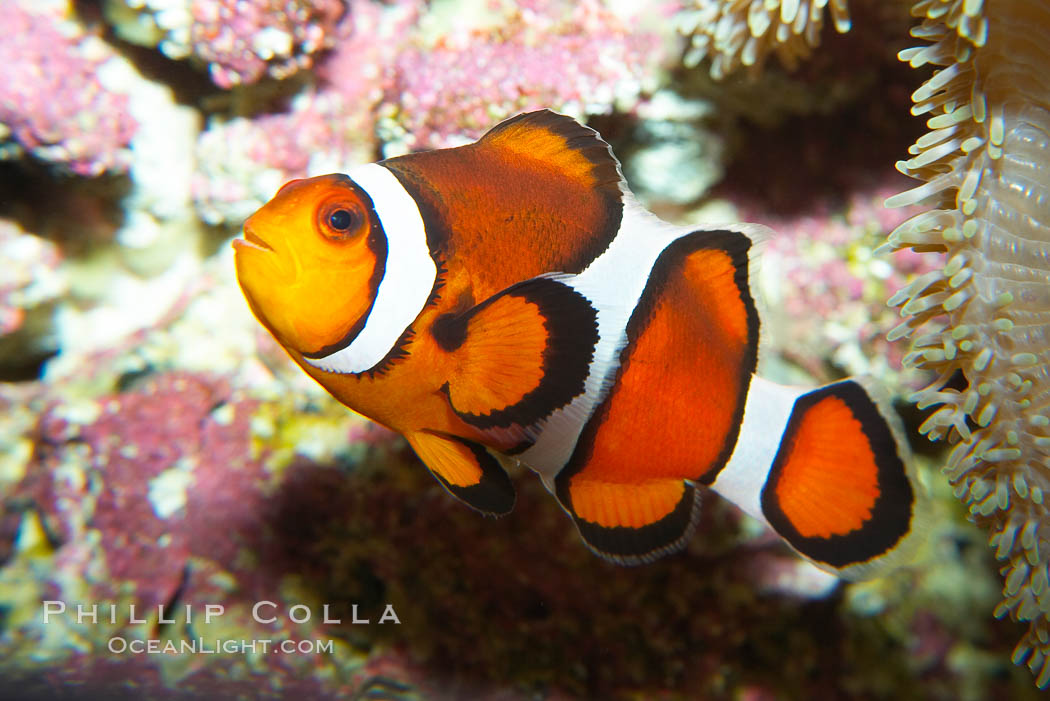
<point x="839" y="490"/>
<point x="611" y="504"/>
<point x="520" y="354"/>
<point x="467" y="470"/>
<point x="631" y="523"/>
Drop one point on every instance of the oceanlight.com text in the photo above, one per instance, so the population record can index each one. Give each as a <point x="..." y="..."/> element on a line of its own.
<point x="200" y="646"/>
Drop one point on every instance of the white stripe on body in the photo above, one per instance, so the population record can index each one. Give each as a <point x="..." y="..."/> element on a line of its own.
<point x="766" y="414"/>
<point x="613" y="283"/>
<point x="407" y="281"/>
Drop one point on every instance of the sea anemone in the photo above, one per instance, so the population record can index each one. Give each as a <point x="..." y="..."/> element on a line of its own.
<point x="982" y="323"/>
<point x="744" y="32"/>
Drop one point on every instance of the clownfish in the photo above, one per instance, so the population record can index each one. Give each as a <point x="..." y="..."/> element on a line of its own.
<point x="510" y="301"/>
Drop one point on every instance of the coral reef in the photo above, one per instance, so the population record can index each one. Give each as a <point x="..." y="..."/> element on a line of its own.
<point x="186" y="489"/>
<point x="173" y="459"/>
<point x="242" y="161"/>
<point x="57" y="98"/>
<point x="986" y="313"/>
<point x="575" y="57"/>
<point x="31" y="283"/>
<point x="419" y="90"/>
<point x="428" y="85"/>
<point x="28" y="274"/>
<point x="826" y="279"/>
<point x="239" y="41"/>
<point x="158" y="448"/>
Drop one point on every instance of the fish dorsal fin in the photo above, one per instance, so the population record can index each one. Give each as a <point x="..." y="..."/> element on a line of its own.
<point x="563" y="144"/>
<point x="467" y="470"/>
<point x="538" y="193"/>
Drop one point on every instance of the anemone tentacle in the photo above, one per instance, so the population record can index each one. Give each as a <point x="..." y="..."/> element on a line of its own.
<point x="985" y="164"/>
<point x="744" y="32"/>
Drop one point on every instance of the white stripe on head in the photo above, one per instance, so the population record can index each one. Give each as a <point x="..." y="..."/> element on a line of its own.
<point x="407" y="280"/>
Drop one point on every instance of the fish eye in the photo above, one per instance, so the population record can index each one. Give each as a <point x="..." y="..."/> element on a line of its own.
<point x="340" y="221"/>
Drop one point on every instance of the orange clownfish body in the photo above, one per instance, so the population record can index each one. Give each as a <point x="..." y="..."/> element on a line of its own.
<point x="509" y="300"/>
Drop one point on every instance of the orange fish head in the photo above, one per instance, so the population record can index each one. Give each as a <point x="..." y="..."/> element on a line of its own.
<point x="311" y="260"/>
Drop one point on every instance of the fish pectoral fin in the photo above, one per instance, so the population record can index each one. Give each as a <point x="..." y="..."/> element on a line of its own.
<point x="631" y="522"/>
<point x="562" y="144"/>
<point x="467" y="470"/>
<point x="520" y="354"/>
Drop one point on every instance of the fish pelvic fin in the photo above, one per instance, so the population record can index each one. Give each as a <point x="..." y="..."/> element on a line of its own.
<point x="467" y="470"/>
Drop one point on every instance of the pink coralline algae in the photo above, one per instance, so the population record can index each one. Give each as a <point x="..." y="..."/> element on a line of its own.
<point x="242" y="162"/>
<point x="578" y="58"/>
<point x="52" y="99"/>
<point x="135" y="439"/>
<point x="154" y="498"/>
<point x="830" y="286"/>
<point x="243" y="41"/>
<point x="394" y="76"/>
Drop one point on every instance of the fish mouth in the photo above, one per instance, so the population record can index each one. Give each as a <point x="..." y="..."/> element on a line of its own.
<point x="252" y="240"/>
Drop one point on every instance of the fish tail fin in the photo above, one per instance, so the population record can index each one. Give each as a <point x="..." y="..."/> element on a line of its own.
<point x="840" y="488"/>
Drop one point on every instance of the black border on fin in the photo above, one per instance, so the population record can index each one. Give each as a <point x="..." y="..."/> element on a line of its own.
<point x="636" y="546"/>
<point x="578" y="137"/>
<point x="572" y="327"/>
<point x="494" y="495"/>
<point x="737" y="246"/>
<point x="893" y="507"/>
